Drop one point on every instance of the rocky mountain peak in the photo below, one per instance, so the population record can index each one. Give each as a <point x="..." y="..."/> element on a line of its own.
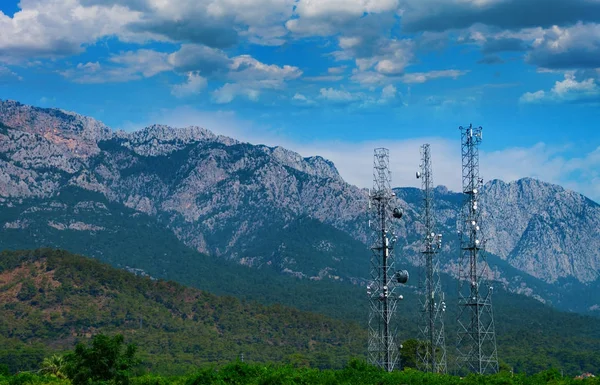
<point x="73" y="132"/>
<point x="159" y="139"/>
<point x="315" y="165"/>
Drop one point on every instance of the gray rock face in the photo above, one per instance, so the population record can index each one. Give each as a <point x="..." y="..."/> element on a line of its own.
<point x="215" y="192"/>
<point x="543" y="229"/>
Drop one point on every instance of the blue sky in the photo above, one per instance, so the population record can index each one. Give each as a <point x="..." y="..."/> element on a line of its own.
<point x="329" y="77"/>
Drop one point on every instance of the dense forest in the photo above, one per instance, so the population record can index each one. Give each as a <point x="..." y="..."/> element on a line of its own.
<point x="108" y="360"/>
<point x="52" y="299"/>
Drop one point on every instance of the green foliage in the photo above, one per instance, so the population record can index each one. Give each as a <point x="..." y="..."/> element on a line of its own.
<point x="54" y="366"/>
<point x="409" y="353"/>
<point x="27" y="292"/>
<point x="179" y="328"/>
<point x="176" y="328"/>
<point x="106" y="361"/>
<point x="355" y="372"/>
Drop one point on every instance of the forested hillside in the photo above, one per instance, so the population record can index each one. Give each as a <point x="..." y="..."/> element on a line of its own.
<point x="51" y="299"/>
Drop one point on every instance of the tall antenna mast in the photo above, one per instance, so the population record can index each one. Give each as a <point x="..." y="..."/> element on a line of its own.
<point x="476" y="342"/>
<point x="432" y="352"/>
<point x="381" y="290"/>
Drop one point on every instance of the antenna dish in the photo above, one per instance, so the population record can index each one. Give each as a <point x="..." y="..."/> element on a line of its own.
<point x="397" y="213"/>
<point x="402" y="276"/>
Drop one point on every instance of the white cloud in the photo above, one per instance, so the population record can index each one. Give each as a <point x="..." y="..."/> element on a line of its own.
<point x="57" y="28"/>
<point x="245" y="68"/>
<point x="338" y="96"/>
<point x="532" y="97"/>
<point x="326" y="17"/>
<point x="7" y="75"/>
<point x="336" y="70"/>
<point x="577" y="46"/>
<point x="369" y="77"/>
<point x="192" y="86"/>
<point x="124" y="67"/>
<point x="388" y="92"/>
<point x="323" y="78"/>
<point x="144" y="61"/>
<point x="567" y="90"/>
<point x="230" y="91"/>
<point x="248" y="76"/>
<point x="300" y="97"/>
<point x="422" y="77"/>
<point x="196" y="57"/>
<point x="303" y="101"/>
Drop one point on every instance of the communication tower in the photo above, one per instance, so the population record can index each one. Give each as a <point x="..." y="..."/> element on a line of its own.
<point x="476" y="340"/>
<point x="432" y="351"/>
<point x="382" y="288"/>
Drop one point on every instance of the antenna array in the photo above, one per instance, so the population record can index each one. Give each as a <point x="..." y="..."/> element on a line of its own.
<point x="382" y="288"/>
<point x="476" y="340"/>
<point x="432" y="350"/>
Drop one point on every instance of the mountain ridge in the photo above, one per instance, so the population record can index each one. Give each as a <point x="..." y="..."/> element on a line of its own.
<point x="219" y="195"/>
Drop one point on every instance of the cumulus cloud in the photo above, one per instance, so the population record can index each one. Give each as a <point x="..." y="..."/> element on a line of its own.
<point x="328" y="17"/>
<point x="196" y="57"/>
<point x="567" y="90"/>
<point x="94" y="73"/>
<point x="192" y="86"/>
<point x="57" y="28"/>
<point x="388" y="92"/>
<point x="230" y="91"/>
<point x="573" y="47"/>
<point x="384" y="56"/>
<point x="248" y="76"/>
<point x="123" y="67"/>
<point x="245" y="68"/>
<point x="339" y="95"/>
<point x="301" y="100"/>
<point x="533" y="97"/>
<point x="441" y="15"/>
<point x="217" y="24"/>
<point x="144" y="61"/>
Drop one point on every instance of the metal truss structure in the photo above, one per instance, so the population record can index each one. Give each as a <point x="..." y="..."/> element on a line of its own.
<point x="476" y="339"/>
<point x="383" y="350"/>
<point x="431" y="353"/>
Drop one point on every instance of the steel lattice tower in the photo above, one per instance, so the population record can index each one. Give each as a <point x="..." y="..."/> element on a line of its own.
<point x="432" y="351"/>
<point x="381" y="290"/>
<point x="476" y="340"/>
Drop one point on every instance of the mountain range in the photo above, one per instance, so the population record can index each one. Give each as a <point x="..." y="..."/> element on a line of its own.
<point x="66" y="177"/>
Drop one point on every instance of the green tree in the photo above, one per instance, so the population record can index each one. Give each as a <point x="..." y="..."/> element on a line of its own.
<point x="106" y="361"/>
<point x="408" y="353"/>
<point x="54" y="366"/>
